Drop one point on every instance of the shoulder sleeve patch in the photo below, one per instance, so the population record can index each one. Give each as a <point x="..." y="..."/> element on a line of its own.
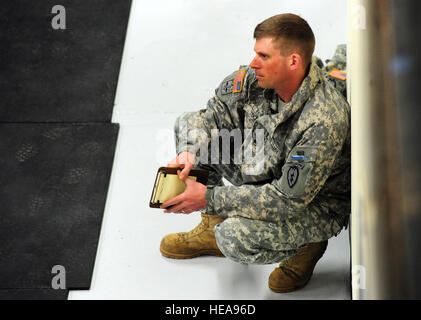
<point x="335" y="73"/>
<point x="227" y="87"/>
<point x="238" y="81"/>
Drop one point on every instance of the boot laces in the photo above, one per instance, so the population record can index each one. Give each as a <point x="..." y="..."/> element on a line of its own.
<point x="198" y="229"/>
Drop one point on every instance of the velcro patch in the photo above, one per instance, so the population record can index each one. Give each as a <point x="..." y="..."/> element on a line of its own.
<point x="335" y="73"/>
<point x="238" y="81"/>
<point x="293" y="174"/>
<point x="227" y="87"/>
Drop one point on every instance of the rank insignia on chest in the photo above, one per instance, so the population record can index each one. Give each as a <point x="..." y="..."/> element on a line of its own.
<point x="238" y="81"/>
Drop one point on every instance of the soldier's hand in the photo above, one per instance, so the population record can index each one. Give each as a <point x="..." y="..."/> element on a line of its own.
<point x="185" y="160"/>
<point x="192" y="199"/>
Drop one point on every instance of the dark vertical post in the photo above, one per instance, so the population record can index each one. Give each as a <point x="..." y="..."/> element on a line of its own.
<point x="405" y="68"/>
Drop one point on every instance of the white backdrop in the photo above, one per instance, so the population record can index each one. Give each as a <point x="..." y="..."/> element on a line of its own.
<point x="178" y="51"/>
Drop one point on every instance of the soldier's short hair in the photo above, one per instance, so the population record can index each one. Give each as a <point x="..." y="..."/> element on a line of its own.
<point x="291" y="33"/>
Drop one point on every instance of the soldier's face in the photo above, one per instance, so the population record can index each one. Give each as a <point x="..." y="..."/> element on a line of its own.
<point x="270" y="66"/>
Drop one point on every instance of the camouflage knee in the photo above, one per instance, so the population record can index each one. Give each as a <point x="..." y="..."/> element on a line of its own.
<point x="250" y="241"/>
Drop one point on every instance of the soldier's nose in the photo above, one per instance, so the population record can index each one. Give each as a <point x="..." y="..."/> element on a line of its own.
<point x="253" y="63"/>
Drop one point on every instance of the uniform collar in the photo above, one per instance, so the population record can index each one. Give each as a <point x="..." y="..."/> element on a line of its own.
<point x="301" y="95"/>
<point x="286" y="110"/>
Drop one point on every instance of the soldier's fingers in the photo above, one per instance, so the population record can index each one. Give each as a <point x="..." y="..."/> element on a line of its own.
<point x="171" y="202"/>
<point x="185" y="172"/>
<point x="176" y="209"/>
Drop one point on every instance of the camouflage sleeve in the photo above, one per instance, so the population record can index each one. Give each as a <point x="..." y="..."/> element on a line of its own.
<point x="303" y="175"/>
<point x="194" y="129"/>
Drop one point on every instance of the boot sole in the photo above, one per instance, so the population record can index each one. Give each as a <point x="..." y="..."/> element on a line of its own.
<point x="289" y="289"/>
<point x="206" y="252"/>
<point x="286" y="290"/>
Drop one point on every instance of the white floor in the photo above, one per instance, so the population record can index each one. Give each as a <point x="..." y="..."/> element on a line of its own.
<point x="176" y="54"/>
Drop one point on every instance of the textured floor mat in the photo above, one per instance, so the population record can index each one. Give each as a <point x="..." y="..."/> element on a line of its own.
<point x="60" y="75"/>
<point x="33" y="294"/>
<point x="54" y="181"/>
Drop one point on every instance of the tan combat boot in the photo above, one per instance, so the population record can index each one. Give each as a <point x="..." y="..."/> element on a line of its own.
<point x="199" y="241"/>
<point x="295" y="272"/>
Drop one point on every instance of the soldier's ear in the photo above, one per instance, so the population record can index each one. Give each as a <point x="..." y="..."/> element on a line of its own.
<point x="295" y="62"/>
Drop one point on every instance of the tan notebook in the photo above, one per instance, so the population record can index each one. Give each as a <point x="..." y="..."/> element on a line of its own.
<point x="168" y="185"/>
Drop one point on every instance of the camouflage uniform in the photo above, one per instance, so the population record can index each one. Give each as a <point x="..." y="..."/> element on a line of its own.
<point x="301" y="192"/>
<point x="338" y="62"/>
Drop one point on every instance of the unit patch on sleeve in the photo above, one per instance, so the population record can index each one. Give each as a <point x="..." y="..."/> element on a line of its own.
<point x="238" y="81"/>
<point x="227" y="87"/>
<point x="293" y="174"/>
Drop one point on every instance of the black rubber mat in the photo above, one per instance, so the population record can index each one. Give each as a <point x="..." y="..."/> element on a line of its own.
<point x="33" y="294"/>
<point x="60" y="75"/>
<point x="54" y="180"/>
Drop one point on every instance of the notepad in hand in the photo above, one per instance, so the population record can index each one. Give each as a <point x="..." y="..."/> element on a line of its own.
<point x="168" y="185"/>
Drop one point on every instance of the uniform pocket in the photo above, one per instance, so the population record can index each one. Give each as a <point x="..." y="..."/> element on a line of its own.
<point x="296" y="171"/>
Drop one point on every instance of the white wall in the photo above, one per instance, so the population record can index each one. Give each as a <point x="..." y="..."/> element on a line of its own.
<point x="178" y="51"/>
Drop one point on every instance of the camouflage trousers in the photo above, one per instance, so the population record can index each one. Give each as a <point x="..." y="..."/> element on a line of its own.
<point x="262" y="242"/>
